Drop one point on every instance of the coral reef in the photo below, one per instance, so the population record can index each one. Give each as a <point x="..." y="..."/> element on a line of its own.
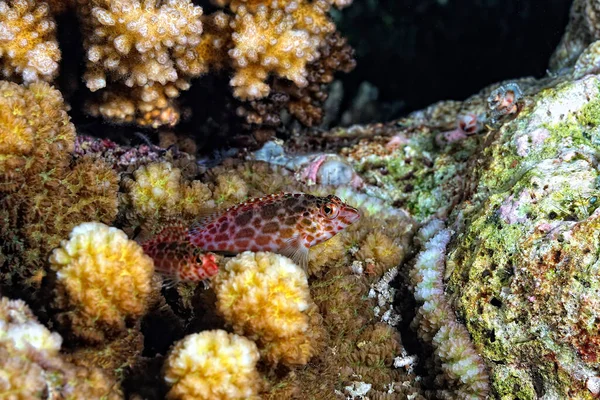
<point x="32" y="366"/>
<point x="494" y="296"/>
<point x="28" y="48"/>
<point x="94" y="255"/>
<point x="213" y="365"/>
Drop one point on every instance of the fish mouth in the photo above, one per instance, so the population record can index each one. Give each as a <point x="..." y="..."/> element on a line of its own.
<point x="351" y="215"/>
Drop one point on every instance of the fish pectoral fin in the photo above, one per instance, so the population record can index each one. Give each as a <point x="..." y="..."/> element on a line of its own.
<point x="297" y="252"/>
<point x="169" y="282"/>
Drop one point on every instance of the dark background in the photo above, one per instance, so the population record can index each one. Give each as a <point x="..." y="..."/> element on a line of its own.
<point x="417" y="52"/>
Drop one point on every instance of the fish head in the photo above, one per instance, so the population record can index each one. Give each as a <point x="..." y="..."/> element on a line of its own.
<point x="331" y="215"/>
<point x="198" y="266"/>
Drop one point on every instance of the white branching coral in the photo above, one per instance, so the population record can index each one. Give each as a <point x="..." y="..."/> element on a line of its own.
<point x="145" y="45"/>
<point x="139" y="42"/>
<point x="280" y="40"/>
<point x="436" y="322"/>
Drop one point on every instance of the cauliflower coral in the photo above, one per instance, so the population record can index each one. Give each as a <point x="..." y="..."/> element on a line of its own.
<point x="213" y="365"/>
<point x="103" y="279"/>
<point x="28" y="47"/>
<point x="265" y="297"/>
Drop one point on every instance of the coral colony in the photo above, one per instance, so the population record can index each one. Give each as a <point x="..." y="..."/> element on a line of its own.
<point x="449" y="254"/>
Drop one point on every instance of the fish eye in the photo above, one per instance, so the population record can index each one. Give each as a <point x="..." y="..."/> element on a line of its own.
<point x="330" y="210"/>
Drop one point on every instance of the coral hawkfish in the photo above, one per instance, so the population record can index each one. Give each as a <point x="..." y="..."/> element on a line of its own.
<point x="177" y="259"/>
<point x="285" y="223"/>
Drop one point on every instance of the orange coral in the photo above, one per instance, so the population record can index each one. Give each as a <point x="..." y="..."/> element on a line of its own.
<point x="28" y="47"/>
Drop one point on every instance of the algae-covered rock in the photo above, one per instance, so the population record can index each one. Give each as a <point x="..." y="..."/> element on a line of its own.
<point x="523" y="267"/>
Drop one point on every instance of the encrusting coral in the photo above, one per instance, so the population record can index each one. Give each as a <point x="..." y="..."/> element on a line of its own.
<point x="103" y="280"/>
<point x="28" y="48"/>
<point x="213" y="365"/>
<point x="31" y="366"/>
<point x="278" y="313"/>
<point x="43" y="193"/>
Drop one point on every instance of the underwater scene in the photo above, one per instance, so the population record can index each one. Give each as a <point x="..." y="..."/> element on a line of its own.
<point x="299" y="199"/>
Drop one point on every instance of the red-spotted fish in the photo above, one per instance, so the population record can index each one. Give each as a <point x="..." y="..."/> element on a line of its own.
<point x="285" y="223"/>
<point x="177" y="259"/>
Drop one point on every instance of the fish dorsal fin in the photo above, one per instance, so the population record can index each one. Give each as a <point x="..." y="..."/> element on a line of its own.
<point x="295" y="250"/>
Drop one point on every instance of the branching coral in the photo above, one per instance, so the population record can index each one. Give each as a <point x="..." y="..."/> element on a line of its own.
<point x="265" y="297"/>
<point x="213" y="365"/>
<point x="255" y="54"/>
<point x="150" y="105"/>
<point x="28" y="48"/>
<point x="31" y="367"/>
<point x="156" y="47"/>
<point x="146" y="45"/>
<point x="103" y="280"/>
<point x="139" y="43"/>
<point x="304" y="103"/>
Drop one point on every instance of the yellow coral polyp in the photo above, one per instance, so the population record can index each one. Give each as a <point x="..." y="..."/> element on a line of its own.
<point x="156" y="187"/>
<point x="35" y="132"/>
<point x="265" y="297"/>
<point x="159" y="191"/>
<point x="105" y="277"/>
<point x="28" y="47"/>
<point x="212" y="365"/>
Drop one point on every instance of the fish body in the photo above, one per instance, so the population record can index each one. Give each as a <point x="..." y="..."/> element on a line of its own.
<point x="177" y="259"/>
<point x="285" y="223"/>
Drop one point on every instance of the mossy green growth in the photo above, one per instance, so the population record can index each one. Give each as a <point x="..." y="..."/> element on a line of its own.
<point x="512" y="384"/>
<point x="420" y="177"/>
<point x="522" y="268"/>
